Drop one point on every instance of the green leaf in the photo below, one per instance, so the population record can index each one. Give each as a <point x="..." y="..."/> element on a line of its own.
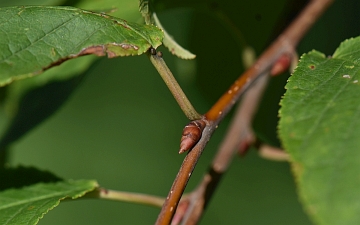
<point x="25" y="104"/>
<point x="320" y="127"/>
<point x="29" y="204"/>
<point x="35" y="38"/>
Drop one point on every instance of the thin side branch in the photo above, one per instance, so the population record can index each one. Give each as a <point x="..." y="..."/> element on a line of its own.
<point x="285" y="43"/>
<point x="174" y="87"/>
<point x="122" y="196"/>
<point x="273" y="153"/>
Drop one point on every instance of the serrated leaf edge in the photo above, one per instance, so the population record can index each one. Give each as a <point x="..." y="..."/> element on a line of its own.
<point x="78" y="195"/>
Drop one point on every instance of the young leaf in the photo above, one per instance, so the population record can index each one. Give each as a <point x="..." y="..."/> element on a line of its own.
<point x="320" y="127"/>
<point x="35" y="38"/>
<point x="146" y="11"/>
<point x="150" y="17"/>
<point x="29" y="204"/>
<point x="172" y="45"/>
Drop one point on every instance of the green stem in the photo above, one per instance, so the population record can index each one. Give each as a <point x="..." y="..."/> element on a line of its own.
<point x="174" y="87"/>
<point x="123" y="196"/>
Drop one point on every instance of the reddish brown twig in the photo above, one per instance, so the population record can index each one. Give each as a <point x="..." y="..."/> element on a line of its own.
<point x="239" y="133"/>
<point x="285" y="43"/>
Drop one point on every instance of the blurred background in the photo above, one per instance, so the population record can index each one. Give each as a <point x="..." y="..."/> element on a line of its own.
<point x="122" y="127"/>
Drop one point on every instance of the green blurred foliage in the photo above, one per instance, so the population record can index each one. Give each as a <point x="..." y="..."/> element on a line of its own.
<point x="122" y="126"/>
<point x="5" y="3"/>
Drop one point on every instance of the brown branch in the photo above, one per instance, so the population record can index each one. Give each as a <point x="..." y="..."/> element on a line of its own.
<point x="177" y="189"/>
<point x="284" y="44"/>
<point x="239" y="133"/>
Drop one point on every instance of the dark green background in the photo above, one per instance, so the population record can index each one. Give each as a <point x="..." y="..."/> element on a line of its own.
<point x="122" y="126"/>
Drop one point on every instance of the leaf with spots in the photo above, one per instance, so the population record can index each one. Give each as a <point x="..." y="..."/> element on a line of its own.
<point x="320" y="127"/>
<point x="36" y="38"/>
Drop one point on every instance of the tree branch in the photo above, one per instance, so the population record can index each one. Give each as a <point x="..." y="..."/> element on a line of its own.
<point x="284" y="44"/>
<point x="238" y="134"/>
